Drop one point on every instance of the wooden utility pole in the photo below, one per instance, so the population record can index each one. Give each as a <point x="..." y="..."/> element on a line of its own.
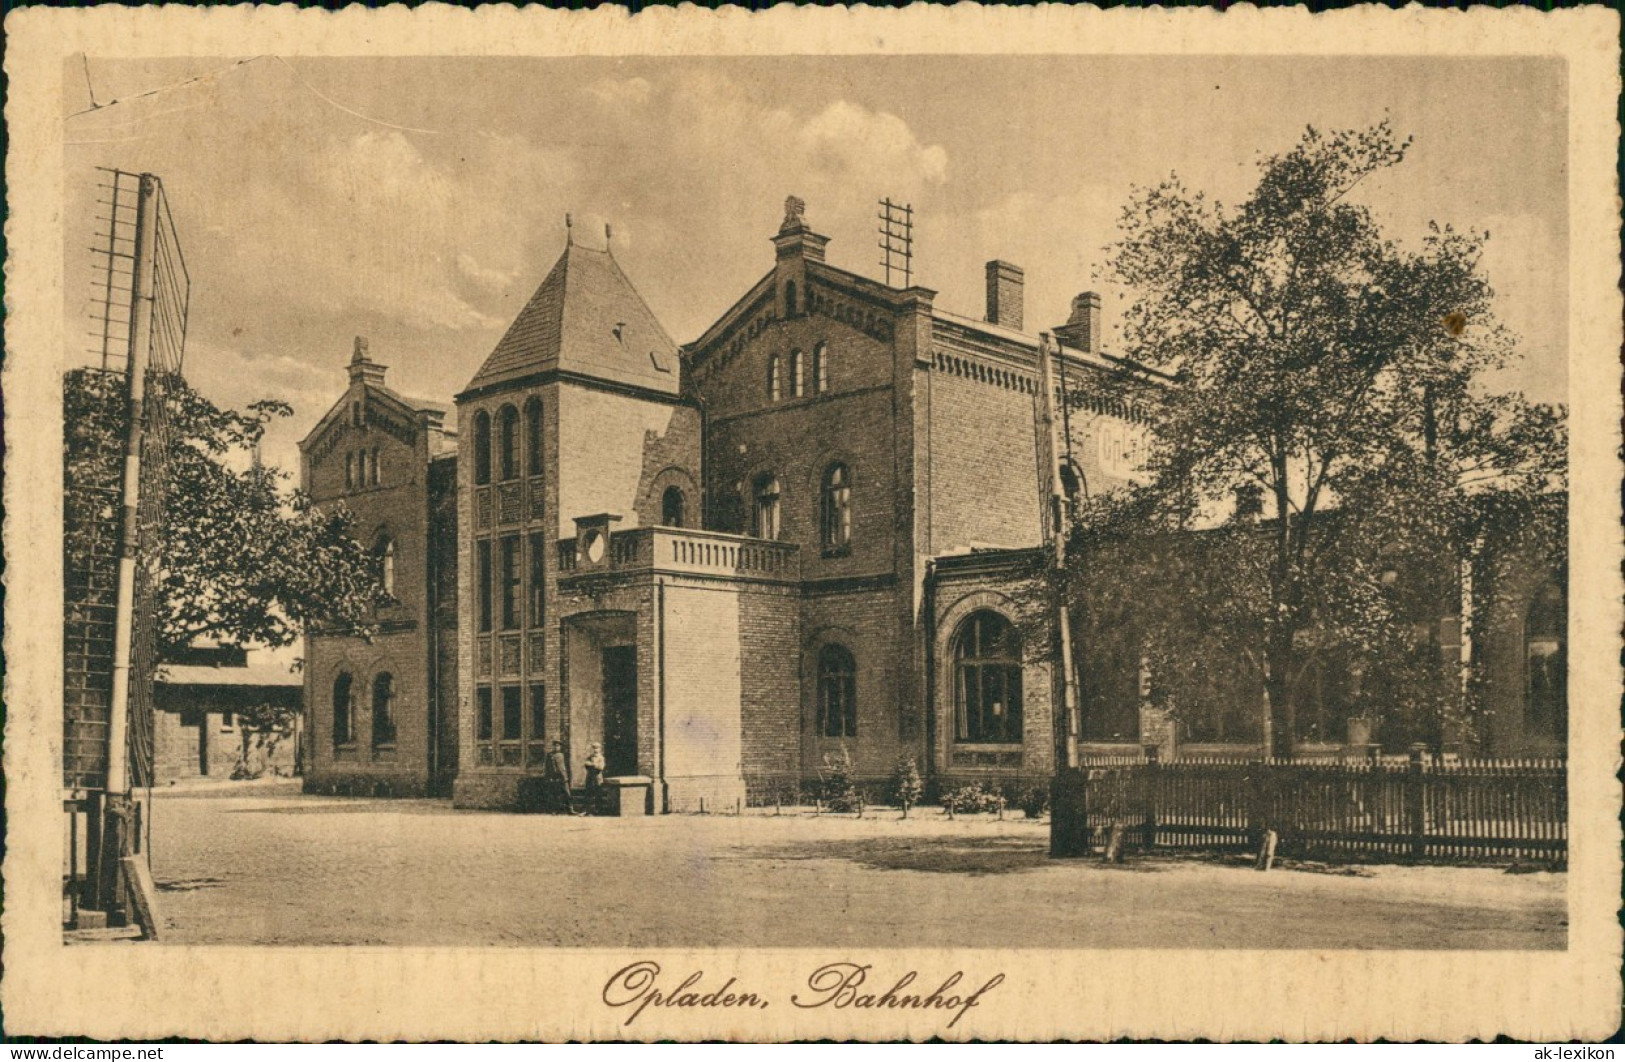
<point x="1052" y="489"/>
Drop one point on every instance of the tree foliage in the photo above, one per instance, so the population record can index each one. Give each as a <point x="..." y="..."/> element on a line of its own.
<point x="1302" y="356"/>
<point x="243" y="559"/>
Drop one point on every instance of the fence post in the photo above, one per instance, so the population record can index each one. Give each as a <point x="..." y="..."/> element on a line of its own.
<point x="1153" y="770"/>
<point x="1257" y="813"/>
<point x="1415" y="810"/>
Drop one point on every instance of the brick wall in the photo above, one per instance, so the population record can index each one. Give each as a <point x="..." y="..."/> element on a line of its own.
<point x="770" y="683"/>
<point x="611" y="450"/>
<point x="399" y="507"/>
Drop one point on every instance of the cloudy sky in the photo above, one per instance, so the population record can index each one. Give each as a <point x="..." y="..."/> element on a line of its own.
<point x="420" y="201"/>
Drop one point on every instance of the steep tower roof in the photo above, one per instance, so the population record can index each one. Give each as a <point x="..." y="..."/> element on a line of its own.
<point x="586" y="318"/>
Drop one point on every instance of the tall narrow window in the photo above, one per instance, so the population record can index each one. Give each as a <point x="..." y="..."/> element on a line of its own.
<point x="533" y="437"/>
<point x="789" y="298"/>
<point x="796" y="386"/>
<point x="775" y="381"/>
<point x="349" y="470"/>
<point x="672" y="507"/>
<point x="361" y="468"/>
<point x="482" y="448"/>
<point x="512" y="713"/>
<point x="482" y="714"/>
<point x="384" y="550"/>
<point x="538" y="712"/>
<point x="343" y="711"/>
<point x="508" y="443"/>
<point x="1546" y="711"/>
<point x="538" y="577"/>
<point x="987" y="680"/>
<point x="383" y="710"/>
<point x="821" y="369"/>
<point x="765" y="512"/>
<point x="482" y="577"/>
<point x="835" y="515"/>
<point x="510" y="582"/>
<point x="837" y="693"/>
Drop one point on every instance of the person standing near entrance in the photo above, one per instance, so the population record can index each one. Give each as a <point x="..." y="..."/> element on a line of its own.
<point x="558" y="777"/>
<point x="595" y="774"/>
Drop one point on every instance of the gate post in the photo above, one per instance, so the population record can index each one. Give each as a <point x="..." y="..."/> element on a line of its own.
<point x="1415" y="809"/>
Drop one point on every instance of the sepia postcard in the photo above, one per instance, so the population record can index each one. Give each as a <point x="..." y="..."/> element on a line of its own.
<point x="948" y="522"/>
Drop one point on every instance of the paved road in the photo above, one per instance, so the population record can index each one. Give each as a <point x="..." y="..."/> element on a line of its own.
<point x="282" y="868"/>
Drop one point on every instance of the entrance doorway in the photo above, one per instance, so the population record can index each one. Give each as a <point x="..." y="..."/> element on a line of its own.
<point x="620" y="677"/>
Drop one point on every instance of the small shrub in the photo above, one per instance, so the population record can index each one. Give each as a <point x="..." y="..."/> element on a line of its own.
<point x="835" y="780"/>
<point x="1033" y="800"/>
<point x="971" y="799"/>
<point x="906" y="786"/>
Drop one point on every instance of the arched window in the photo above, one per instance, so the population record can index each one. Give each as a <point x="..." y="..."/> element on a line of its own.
<point x="1545" y="638"/>
<point x="533" y="437"/>
<point x="384" y="550"/>
<point x="482" y="448"/>
<point x="508" y="443"/>
<point x="987" y="681"/>
<point x="349" y="470"/>
<point x="796" y="388"/>
<point x="835" y="508"/>
<point x="672" y="507"/>
<point x="789" y="298"/>
<point x="343" y="711"/>
<point x="361" y="468"/>
<point x="775" y="385"/>
<point x="383" y="710"/>
<point x="764" y="521"/>
<point x="837" y="693"/>
<point x="821" y="369"/>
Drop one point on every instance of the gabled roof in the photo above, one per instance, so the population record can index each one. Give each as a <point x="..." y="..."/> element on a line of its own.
<point x="585" y="318"/>
<point x="411" y="408"/>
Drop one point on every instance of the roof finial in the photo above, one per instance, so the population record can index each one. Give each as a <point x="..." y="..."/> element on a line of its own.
<point x="360" y="355"/>
<point x="795" y="211"/>
<point x="569" y="235"/>
<point x="609" y="234"/>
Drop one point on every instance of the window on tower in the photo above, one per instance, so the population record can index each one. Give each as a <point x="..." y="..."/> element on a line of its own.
<point x="533" y="437"/>
<point x="482" y="448"/>
<point x="508" y="443"/>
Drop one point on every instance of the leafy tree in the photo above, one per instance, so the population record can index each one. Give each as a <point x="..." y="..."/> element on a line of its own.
<point x="242" y="558"/>
<point x="1310" y="361"/>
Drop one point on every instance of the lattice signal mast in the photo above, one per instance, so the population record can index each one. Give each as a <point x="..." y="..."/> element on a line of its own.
<point x="118" y="451"/>
<point x="897" y="241"/>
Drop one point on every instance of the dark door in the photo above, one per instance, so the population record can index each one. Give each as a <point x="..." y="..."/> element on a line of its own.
<point x="620" y="710"/>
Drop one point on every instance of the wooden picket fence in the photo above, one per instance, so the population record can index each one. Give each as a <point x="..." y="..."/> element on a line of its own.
<point x="1414" y="810"/>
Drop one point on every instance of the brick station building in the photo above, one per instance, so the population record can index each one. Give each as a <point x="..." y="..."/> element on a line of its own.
<point x="807" y="535"/>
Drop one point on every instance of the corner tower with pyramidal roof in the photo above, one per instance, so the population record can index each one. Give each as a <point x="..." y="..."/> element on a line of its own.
<point x="575" y="422"/>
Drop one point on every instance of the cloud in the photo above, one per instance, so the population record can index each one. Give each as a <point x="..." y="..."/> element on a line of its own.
<point x="845" y="140"/>
<point x="499" y="279"/>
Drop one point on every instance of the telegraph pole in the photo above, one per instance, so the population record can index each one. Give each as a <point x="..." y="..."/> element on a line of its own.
<point x="1052" y="488"/>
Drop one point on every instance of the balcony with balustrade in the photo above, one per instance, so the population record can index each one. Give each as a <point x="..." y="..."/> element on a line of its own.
<point x="680" y="551"/>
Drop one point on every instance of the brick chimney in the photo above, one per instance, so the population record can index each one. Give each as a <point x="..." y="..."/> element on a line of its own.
<point x="1082" y="329"/>
<point x="1004" y="294"/>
